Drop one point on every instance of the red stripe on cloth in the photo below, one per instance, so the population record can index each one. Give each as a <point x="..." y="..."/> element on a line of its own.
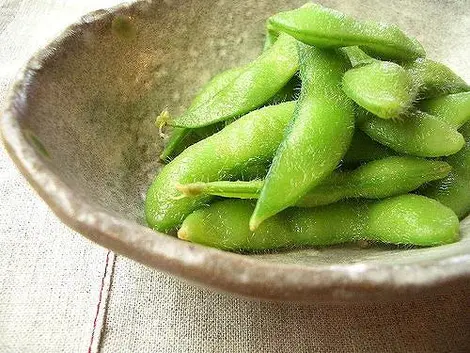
<point x="100" y="298"/>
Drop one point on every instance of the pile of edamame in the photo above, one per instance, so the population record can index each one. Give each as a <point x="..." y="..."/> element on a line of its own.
<point x="341" y="130"/>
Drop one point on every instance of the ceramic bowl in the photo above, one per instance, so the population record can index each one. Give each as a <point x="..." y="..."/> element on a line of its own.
<point x="79" y="125"/>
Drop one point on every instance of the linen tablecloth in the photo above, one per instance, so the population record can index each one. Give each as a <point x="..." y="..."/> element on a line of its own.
<point x="61" y="293"/>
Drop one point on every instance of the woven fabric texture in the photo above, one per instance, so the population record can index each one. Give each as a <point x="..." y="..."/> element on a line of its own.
<point x="50" y="276"/>
<point x="167" y="315"/>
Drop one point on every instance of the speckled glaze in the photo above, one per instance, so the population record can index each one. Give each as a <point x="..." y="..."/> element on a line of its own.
<point x="79" y="125"/>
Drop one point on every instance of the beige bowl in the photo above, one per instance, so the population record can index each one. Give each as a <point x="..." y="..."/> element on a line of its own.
<point x="79" y="125"/>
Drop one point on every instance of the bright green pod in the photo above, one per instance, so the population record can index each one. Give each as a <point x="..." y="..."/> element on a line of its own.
<point x="270" y="38"/>
<point x="357" y="56"/>
<point x="381" y="87"/>
<point x="435" y="79"/>
<point x="378" y="179"/>
<point x="419" y="135"/>
<point x="316" y="139"/>
<point x="363" y="149"/>
<point x="179" y="139"/>
<point x="430" y="78"/>
<point x="182" y="138"/>
<point x="255" y="171"/>
<point x="289" y="92"/>
<point x="257" y="83"/>
<point x="454" y="190"/>
<point x="239" y="145"/>
<point x="454" y="109"/>
<point x="375" y="180"/>
<point x="405" y="219"/>
<point x="326" y="28"/>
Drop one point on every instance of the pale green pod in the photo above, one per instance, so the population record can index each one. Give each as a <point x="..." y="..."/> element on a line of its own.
<point x="257" y="83"/>
<point x="405" y="219"/>
<point x="317" y="138"/>
<point x="454" y="190"/>
<point x="383" y="88"/>
<point x="454" y="109"/>
<point x="316" y="25"/>
<point x="378" y="179"/>
<point x="239" y="145"/>
<point x="420" y="134"/>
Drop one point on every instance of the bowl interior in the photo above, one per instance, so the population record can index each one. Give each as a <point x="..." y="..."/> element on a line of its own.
<point x="92" y="104"/>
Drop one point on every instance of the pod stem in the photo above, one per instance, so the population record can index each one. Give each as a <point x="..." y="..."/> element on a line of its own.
<point x="161" y="121"/>
<point x="183" y="233"/>
<point x="193" y="189"/>
<point x="254" y="223"/>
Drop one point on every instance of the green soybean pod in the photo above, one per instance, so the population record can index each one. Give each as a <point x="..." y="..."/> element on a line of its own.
<point x="378" y="179"/>
<point x="181" y="138"/>
<point x="178" y="141"/>
<point x="258" y="82"/>
<point x="405" y="219"/>
<point x="239" y="145"/>
<point x="270" y="38"/>
<point x="326" y="28"/>
<point x="454" y="190"/>
<point x="430" y="78"/>
<point x="363" y="149"/>
<point x="254" y="171"/>
<point x="287" y="93"/>
<point x="357" y="56"/>
<point x="454" y="109"/>
<point x="435" y="79"/>
<point x="419" y="135"/>
<point x="317" y="138"/>
<point x="291" y="90"/>
<point x="382" y="87"/>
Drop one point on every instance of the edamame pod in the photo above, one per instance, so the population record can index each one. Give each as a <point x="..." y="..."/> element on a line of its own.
<point x="435" y="79"/>
<point x="430" y="78"/>
<point x="454" y="190"/>
<point x="405" y="219"/>
<point x="454" y="109"/>
<point x="419" y="135"/>
<point x="257" y="83"/>
<point x="326" y="28"/>
<point x="316" y="139"/>
<point x="187" y="137"/>
<point x="289" y="92"/>
<point x="357" y="56"/>
<point x="250" y="140"/>
<point x="375" y="180"/>
<point x="382" y="87"/>
<point x="364" y="149"/>
<point x="270" y="38"/>
<point x="254" y="171"/>
<point x="181" y="138"/>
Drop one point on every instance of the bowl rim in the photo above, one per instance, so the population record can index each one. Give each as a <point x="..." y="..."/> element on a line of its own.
<point x="220" y="270"/>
